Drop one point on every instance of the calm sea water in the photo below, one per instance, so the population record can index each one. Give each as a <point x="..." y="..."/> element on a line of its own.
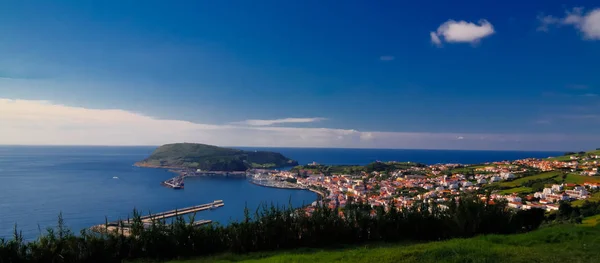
<point x="38" y="183"/>
<point x="365" y="156"/>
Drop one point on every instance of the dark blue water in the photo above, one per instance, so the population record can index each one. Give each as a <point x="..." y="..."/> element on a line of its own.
<point x="365" y="156"/>
<point x="37" y="183"/>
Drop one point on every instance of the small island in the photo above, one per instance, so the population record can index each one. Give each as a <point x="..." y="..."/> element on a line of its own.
<point x="213" y="158"/>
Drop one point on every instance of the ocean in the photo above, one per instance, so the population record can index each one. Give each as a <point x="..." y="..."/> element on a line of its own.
<point x="90" y="184"/>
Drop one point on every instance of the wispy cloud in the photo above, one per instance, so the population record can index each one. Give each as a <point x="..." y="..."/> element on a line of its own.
<point x="33" y="122"/>
<point x="577" y="86"/>
<point x="588" y="24"/>
<point x="568" y="95"/>
<point x="435" y="39"/>
<point x="387" y="58"/>
<point x="278" y="121"/>
<point x="543" y="122"/>
<point x="585" y="117"/>
<point x="461" y="32"/>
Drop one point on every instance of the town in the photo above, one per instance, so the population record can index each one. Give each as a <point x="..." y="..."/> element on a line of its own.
<point x="524" y="184"/>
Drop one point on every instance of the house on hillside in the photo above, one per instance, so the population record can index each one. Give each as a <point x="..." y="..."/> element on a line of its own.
<point x="516" y="205"/>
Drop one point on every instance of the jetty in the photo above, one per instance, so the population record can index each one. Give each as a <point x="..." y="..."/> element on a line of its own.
<point x="124" y="226"/>
<point x="177" y="182"/>
<point x="183" y="211"/>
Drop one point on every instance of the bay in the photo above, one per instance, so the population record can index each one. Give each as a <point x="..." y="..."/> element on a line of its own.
<point x="89" y="184"/>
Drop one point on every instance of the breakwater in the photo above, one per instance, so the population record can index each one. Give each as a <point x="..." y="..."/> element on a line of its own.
<point x="124" y="226"/>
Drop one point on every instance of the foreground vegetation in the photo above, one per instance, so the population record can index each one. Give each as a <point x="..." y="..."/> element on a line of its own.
<point x="560" y="243"/>
<point x="276" y="229"/>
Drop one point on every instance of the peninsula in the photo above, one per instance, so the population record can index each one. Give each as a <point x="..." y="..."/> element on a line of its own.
<point x="213" y="158"/>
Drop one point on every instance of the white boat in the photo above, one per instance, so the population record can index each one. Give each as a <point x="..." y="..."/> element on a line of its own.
<point x="114" y="177"/>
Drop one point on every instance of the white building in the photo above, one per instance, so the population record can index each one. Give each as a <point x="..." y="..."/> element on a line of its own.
<point x="551" y="207"/>
<point x="539" y="195"/>
<point x="577" y="193"/>
<point x="512" y="198"/>
<point x="515" y="205"/>
<point x="495" y="179"/>
<point x="557" y="188"/>
<point x="507" y="176"/>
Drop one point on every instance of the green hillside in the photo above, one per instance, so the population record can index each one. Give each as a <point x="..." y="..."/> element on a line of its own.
<point x="357" y="169"/>
<point x="567" y="156"/>
<point x="564" y="243"/>
<point x="213" y="158"/>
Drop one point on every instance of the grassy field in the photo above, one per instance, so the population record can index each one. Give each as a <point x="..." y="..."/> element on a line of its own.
<point x="580" y="179"/>
<point x="571" y="178"/>
<point x="520" y="181"/>
<point x="564" y="243"/>
<point x="591" y="221"/>
<point x="568" y="157"/>
<point x="516" y="190"/>
<point x="561" y="158"/>
<point x="594" y="198"/>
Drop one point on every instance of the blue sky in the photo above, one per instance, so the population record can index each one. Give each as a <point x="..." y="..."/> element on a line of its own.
<point x="514" y="69"/>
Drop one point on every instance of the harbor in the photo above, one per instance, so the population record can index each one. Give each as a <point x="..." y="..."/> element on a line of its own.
<point x="124" y="226"/>
<point x="178" y="183"/>
<point x="268" y="181"/>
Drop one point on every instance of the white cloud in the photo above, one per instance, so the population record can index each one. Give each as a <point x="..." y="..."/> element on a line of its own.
<point x="587" y="23"/>
<point x="461" y="32"/>
<point x="545" y="22"/>
<point x="33" y="122"/>
<point x="387" y="58"/>
<point x="278" y="121"/>
<point x="435" y="39"/>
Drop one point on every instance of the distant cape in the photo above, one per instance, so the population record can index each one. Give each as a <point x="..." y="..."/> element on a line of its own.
<point x="213" y="158"/>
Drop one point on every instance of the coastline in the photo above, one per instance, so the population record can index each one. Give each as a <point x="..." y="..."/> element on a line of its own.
<point x="183" y="172"/>
<point x="320" y="194"/>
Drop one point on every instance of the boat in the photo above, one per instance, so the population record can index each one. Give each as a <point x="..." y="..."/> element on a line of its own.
<point x="114" y="177"/>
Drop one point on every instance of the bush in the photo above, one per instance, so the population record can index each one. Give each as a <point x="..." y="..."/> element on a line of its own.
<point x="272" y="228"/>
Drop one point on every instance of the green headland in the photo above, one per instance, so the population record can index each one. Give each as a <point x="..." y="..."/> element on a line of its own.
<point x="213" y="158"/>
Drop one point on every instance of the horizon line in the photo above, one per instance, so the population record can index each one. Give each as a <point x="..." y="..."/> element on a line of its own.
<point x="292" y="147"/>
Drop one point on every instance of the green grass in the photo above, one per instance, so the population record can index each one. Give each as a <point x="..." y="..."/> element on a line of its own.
<point x="214" y="158"/>
<point x="564" y="158"/>
<point x="581" y="179"/>
<point x="517" y="190"/>
<point x="594" y="198"/>
<point x="591" y="221"/>
<point x="521" y="181"/>
<point x="568" y="157"/>
<point x="563" y="243"/>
